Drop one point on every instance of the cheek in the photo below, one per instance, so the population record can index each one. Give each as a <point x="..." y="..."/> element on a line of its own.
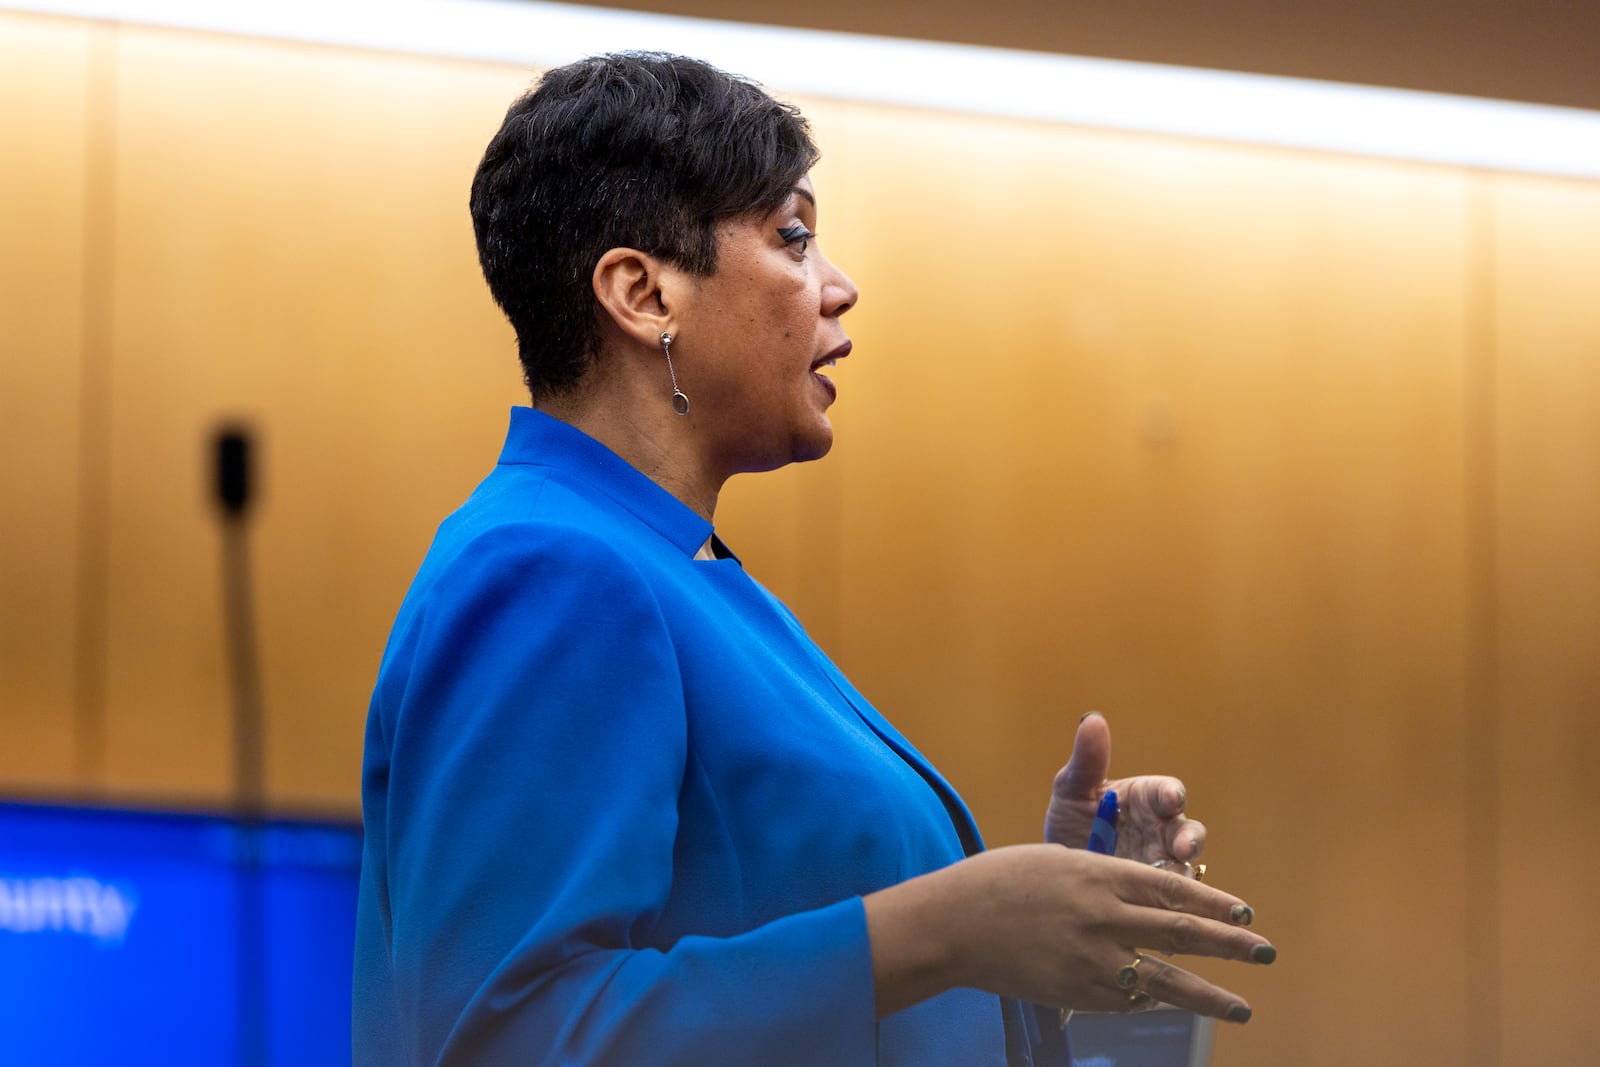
<point x="795" y="316"/>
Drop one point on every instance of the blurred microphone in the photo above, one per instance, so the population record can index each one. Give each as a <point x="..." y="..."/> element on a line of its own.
<point x="233" y="448"/>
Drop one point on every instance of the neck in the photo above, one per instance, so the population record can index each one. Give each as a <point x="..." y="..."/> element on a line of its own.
<point x="644" y="431"/>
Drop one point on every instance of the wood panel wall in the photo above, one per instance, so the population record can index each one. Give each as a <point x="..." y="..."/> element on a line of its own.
<point x="1176" y="433"/>
<point x="291" y="250"/>
<point x="1285" y="462"/>
<point x="45" y="85"/>
<point x="1546" y="622"/>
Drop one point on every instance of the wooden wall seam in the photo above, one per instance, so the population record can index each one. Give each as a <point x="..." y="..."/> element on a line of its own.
<point x="94" y="541"/>
<point x="1481" y="845"/>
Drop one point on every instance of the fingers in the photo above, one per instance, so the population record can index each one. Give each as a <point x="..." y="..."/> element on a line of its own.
<point x="1154" y="825"/>
<point x="1167" y="983"/>
<point x="1156" y="981"/>
<point x="1162" y="794"/>
<point x="1056" y="926"/>
<point x="1150" y="887"/>
<point x="1179" y="916"/>
<point x="1086" y="768"/>
<point x="1186" y="839"/>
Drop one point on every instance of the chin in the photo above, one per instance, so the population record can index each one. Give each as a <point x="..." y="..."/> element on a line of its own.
<point x="800" y="448"/>
<point x="814" y="445"/>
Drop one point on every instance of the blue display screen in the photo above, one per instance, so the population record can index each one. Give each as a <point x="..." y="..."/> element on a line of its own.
<point x="1165" y="1037"/>
<point x="136" y="937"/>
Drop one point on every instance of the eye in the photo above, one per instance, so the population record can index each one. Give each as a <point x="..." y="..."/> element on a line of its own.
<point x="796" y="234"/>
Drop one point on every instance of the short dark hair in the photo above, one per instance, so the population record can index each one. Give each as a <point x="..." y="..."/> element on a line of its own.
<point x="636" y="149"/>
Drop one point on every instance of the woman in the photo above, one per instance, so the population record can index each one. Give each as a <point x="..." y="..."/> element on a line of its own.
<point x="619" y="808"/>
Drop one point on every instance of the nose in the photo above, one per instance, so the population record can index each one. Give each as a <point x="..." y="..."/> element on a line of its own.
<point x="839" y="293"/>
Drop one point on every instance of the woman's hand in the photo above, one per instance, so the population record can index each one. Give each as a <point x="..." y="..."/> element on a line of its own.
<point x="1058" y="926"/>
<point x="1055" y="926"/>
<point x="1151" y="825"/>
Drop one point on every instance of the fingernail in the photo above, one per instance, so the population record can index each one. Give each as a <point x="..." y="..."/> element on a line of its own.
<point x="1242" y="914"/>
<point x="1263" y="954"/>
<point x="1239" y="1013"/>
<point x="1086" y="714"/>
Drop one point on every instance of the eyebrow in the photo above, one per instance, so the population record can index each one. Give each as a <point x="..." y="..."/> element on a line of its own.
<point x="802" y="191"/>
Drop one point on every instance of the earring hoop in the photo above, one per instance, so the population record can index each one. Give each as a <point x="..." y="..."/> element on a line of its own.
<point x="680" y="402"/>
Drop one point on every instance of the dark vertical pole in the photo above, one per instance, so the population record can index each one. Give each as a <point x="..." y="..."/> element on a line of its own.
<point x="233" y="488"/>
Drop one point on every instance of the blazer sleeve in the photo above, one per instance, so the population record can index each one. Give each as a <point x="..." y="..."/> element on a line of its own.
<point x="534" y="719"/>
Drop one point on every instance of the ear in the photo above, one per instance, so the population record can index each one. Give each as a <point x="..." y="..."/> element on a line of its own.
<point x="634" y="289"/>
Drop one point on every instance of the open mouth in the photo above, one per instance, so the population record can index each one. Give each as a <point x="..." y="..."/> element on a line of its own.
<point x="832" y="358"/>
<point x="829" y="360"/>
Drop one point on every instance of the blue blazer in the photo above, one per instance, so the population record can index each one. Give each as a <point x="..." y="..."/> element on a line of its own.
<point x="620" y="809"/>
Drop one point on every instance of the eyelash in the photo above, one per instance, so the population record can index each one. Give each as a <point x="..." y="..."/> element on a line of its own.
<point x="791" y="234"/>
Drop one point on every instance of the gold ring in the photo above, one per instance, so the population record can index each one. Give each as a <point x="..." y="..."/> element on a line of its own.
<point x="1128" y="977"/>
<point x="1197" y="871"/>
<point x="1138" y="999"/>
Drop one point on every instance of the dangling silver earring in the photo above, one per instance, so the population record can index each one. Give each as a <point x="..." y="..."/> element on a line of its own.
<point x="680" y="403"/>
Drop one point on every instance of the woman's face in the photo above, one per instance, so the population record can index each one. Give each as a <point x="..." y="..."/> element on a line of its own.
<point x="757" y="336"/>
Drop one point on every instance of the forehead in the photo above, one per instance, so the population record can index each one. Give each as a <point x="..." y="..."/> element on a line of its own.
<point x="802" y="198"/>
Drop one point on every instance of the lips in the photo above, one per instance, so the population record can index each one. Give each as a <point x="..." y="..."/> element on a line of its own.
<point x="827" y="361"/>
<point x="832" y="357"/>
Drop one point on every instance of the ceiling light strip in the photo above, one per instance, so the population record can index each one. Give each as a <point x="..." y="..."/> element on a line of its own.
<point x="1182" y="101"/>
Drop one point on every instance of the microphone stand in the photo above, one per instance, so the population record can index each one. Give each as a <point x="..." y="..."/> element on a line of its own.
<point x="232" y="446"/>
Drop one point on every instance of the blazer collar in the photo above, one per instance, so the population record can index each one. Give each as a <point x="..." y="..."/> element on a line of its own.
<point x="537" y="439"/>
